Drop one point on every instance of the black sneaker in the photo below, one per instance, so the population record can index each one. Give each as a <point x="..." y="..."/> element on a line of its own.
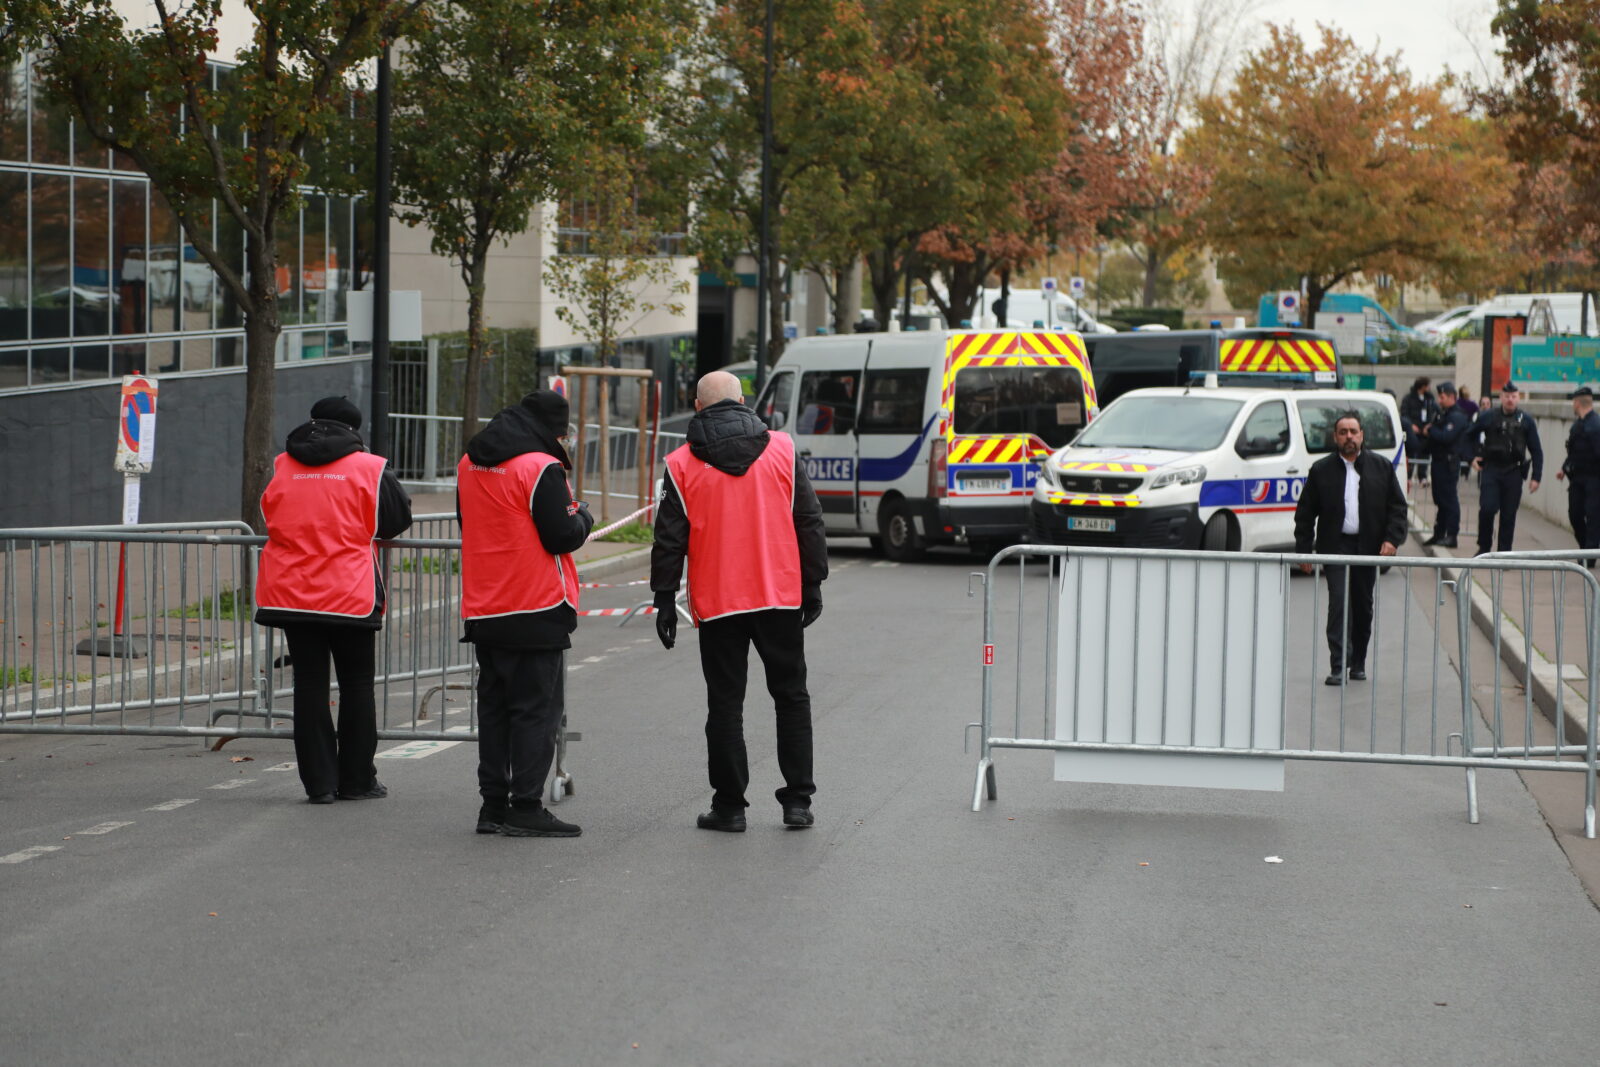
<point x="492" y="817"/>
<point x="376" y="791"/>
<point x="798" y="817"/>
<point x="729" y="822"/>
<point x="1435" y="539"/>
<point x="1447" y="542"/>
<point x="1358" y="674"/>
<point x="1336" y="678"/>
<point x="320" y="798"/>
<point x="521" y="822"/>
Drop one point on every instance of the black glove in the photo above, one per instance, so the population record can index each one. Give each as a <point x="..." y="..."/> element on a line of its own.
<point x="667" y="617"/>
<point x="583" y="511"/>
<point x="810" y="605"/>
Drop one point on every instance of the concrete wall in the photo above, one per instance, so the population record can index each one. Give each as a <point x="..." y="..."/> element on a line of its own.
<point x="1555" y="419"/>
<point x="56" y="446"/>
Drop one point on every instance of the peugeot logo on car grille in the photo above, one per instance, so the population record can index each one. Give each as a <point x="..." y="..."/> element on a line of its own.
<point x="1098" y="487"/>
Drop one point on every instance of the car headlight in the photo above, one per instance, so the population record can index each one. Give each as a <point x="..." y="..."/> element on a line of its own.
<point x="1181" y="476"/>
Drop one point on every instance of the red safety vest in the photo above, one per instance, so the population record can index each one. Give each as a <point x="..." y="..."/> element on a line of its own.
<point x="321" y="521"/>
<point x="743" y="553"/>
<point x="505" y="569"/>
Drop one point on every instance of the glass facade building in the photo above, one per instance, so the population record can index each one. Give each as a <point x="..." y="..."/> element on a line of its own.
<point x="97" y="279"/>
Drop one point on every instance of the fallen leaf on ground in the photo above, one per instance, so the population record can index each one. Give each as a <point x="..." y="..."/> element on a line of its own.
<point x="241" y="759"/>
<point x="1144" y="863"/>
<point x="1274" y="859"/>
<point x="212" y="914"/>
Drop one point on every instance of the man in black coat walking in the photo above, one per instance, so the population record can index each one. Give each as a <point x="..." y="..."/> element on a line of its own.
<point x="1352" y="505"/>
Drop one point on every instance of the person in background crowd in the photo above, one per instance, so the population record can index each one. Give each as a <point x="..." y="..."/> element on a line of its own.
<point x="1445" y="436"/>
<point x="1417" y="410"/>
<point x="736" y="503"/>
<point x="1503" y="438"/>
<point x="1582" y="472"/>
<point x="1465" y="402"/>
<point x="319" y="582"/>
<point x="519" y="600"/>
<point x="1352" y="505"/>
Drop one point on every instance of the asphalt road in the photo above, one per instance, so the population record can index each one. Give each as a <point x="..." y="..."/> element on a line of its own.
<point x="1064" y="923"/>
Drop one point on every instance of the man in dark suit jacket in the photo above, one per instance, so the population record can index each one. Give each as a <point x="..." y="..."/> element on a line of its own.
<point x="1349" y="479"/>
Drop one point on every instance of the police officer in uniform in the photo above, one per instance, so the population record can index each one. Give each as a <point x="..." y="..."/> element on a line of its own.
<point x="1444" y="437"/>
<point x="1503" y="439"/>
<point x="1582" y="471"/>
<point x="737" y="504"/>
<point x="318" y="581"/>
<point x="519" y="599"/>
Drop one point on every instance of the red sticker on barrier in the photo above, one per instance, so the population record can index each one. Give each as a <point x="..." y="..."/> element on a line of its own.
<point x="988" y="655"/>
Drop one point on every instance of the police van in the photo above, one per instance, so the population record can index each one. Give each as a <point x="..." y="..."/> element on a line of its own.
<point x="916" y="439"/>
<point x="1257" y="357"/>
<point x="1219" y="468"/>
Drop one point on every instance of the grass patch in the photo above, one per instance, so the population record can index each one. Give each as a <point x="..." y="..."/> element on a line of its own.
<point x="227" y="604"/>
<point x="10" y="676"/>
<point x="635" y="533"/>
<point x="429" y="564"/>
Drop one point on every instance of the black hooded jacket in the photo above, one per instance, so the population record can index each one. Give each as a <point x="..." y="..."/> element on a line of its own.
<point x="731" y="437"/>
<point x="316" y="444"/>
<point x="562" y="527"/>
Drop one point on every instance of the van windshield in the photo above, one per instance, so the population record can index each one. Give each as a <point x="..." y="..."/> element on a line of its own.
<point x="1175" y="423"/>
<point x="1044" y="401"/>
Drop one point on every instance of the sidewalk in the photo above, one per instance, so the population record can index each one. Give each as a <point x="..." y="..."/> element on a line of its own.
<point x="1546" y="611"/>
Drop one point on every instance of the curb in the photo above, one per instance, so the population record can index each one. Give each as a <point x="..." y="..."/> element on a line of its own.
<point x="1542" y="681"/>
<point x="604" y="568"/>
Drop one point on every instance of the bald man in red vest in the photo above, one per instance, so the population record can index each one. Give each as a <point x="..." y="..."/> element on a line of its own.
<point x="737" y="505"/>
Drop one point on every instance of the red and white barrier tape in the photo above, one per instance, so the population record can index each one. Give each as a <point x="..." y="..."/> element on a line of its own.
<point x="620" y="523"/>
<point x="592" y="612"/>
<point x="612" y="585"/>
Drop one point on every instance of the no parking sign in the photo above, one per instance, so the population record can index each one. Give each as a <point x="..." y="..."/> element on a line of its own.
<point x="136" y="425"/>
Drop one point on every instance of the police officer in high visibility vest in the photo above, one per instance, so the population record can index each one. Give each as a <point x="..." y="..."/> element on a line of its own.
<point x="1582" y="472"/>
<point x="1444" y="437"/>
<point x="519" y="599"/>
<point x="737" y="503"/>
<point x="318" y="581"/>
<point x="1503" y="439"/>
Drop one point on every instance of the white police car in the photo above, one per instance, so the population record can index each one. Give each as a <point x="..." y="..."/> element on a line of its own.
<point x="1214" y="468"/>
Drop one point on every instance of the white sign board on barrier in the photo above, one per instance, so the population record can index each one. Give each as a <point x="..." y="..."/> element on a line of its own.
<point x="1349" y="332"/>
<point x="1171" y="652"/>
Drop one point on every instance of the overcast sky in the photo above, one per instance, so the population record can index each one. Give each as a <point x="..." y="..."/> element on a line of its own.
<point x="1428" y="33"/>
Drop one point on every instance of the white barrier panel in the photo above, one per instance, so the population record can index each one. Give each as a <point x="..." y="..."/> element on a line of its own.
<point x="1170" y="652"/>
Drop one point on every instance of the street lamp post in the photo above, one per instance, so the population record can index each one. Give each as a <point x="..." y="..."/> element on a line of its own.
<point x="1099" y="268"/>
<point x="764" y="239"/>
<point x="380" y="270"/>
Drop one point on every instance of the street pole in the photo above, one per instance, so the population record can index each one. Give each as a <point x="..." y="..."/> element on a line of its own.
<point x="763" y="297"/>
<point x="380" y="271"/>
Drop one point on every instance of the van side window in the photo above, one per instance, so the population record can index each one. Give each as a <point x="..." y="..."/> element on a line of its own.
<point x="828" y="402"/>
<point x="1318" y="416"/>
<point x="893" y="403"/>
<point x="776" y="399"/>
<point x="1266" y="431"/>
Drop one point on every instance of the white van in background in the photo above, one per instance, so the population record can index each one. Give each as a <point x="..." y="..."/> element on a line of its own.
<point x="924" y="438"/>
<point x="1026" y="307"/>
<point x="1567" y="309"/>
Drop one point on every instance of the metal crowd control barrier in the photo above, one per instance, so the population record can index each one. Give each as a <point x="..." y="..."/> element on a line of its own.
<point x="206" y="668"/>
<point x="1419" y="491"/>
<point x="1185" y="667"/>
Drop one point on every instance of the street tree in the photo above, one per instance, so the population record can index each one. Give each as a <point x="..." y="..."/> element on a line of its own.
<point x="239" y="146"/>
<point x="1329" y="162"/>
<point x="1550" y="104"/>
<point x="502" y="104"/>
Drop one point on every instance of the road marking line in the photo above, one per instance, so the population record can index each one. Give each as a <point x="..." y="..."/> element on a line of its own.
<point x="417" y="749"/>
<point x="575" y="667"/>
<point x="291" y="765"/>
<point x="169" y="805"/>
<point x="235" y="784"/>
<point x="103" y="828"/>
<point x="886" y="563"/>
<point x="595" y="659"/>
<point x="29" y="853"/>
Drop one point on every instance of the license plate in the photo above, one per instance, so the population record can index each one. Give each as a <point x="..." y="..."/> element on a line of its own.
<point x="986" y="485"/>
<point x="1093" y="525"/>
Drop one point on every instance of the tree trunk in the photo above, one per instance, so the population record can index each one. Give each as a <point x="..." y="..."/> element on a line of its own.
<point x="261" y="329"/>
<point x="1315" y="291"/>
<point x="475" y="346"/>
<point x="1151" y="262"/>
<point x="884" y="276"/>
<point x="847" y="306"/>
<point x="775" y="293"/>
<point x="1005" y="296"/>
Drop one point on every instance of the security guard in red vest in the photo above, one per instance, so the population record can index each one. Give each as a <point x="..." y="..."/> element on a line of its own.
<point x="736" y="502"/>
<point x="519" y="598"/>
<point x="318" y="581"/>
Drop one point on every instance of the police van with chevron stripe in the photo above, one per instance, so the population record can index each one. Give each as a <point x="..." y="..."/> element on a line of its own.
<point x="1204" y="466"/>
<point x="922" y="438"/>
<point x="1140" y="359"/>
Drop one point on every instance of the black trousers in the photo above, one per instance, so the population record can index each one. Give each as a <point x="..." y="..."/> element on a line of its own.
<point x="1583" y="508"/>
<point x="521" y="698"/>
<point x="1500" y="490"/>
<point x="725" y="659"/>
<point x="1359" y="616"/>
<point x="1446" y="496"/>
<point x="330" y="761"/>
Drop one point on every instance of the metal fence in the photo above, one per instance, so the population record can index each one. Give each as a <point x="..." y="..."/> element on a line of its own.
<point x="193" y="662"/>
<point x="1201" y="668"/>
<point x="1419" y="491"/>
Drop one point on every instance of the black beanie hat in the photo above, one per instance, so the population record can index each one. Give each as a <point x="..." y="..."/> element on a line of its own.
<point x="550" y="408"/>
<point x="337" y="409"/>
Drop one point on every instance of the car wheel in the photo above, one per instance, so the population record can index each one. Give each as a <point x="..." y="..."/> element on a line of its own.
<point x="1218" y="534"/>
<point x="901" y="542"/>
